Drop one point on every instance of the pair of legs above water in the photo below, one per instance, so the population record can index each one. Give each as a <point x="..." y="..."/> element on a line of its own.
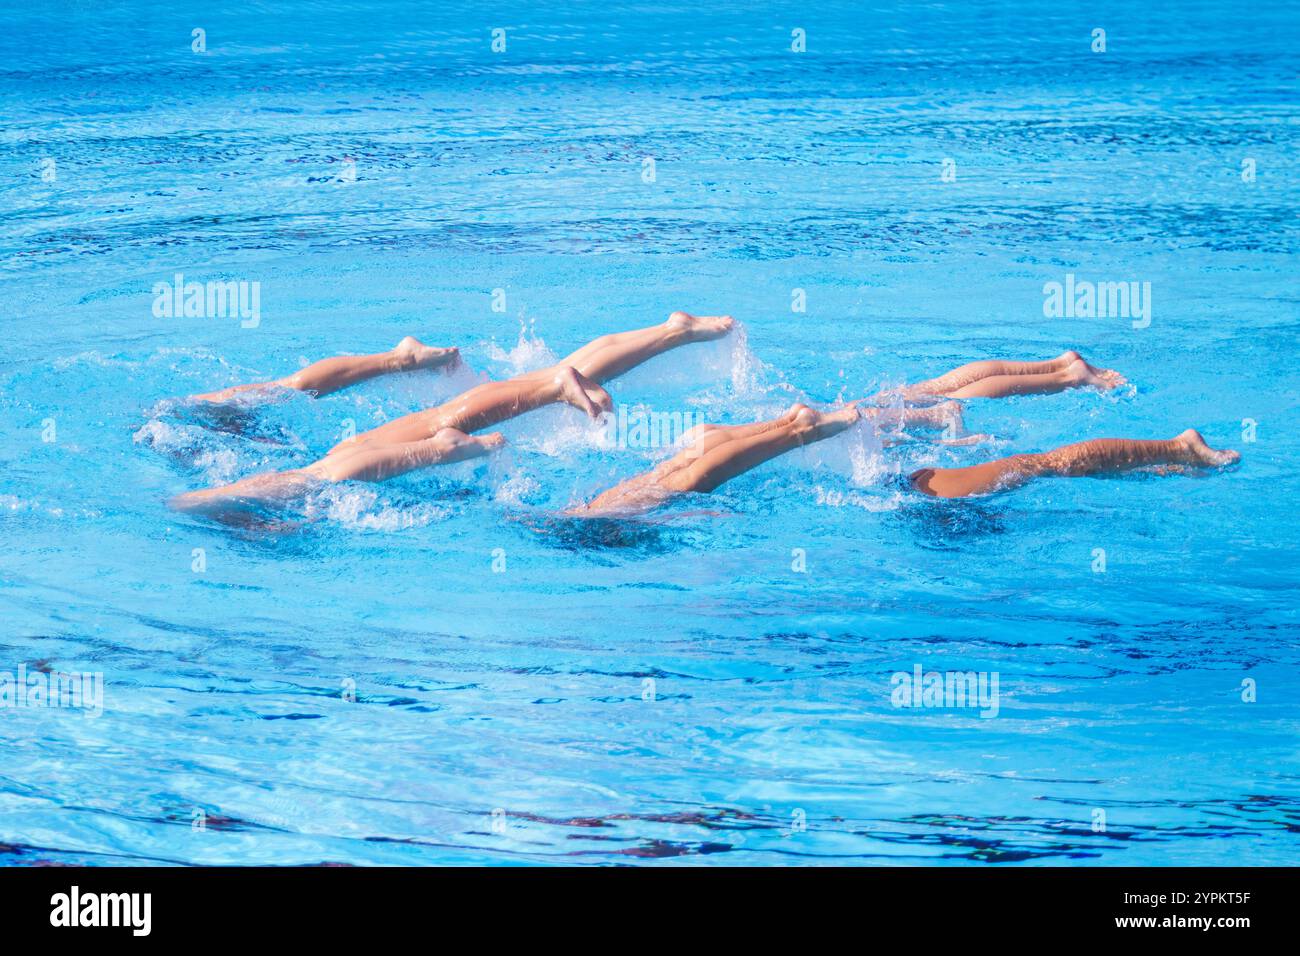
<point x="372" y="461"/>
<point x="331" y="374"/>
<point x="716" y="454"/>
<point x="931" y="404"/>
<point x="1096" y="457"/>
<point x="999" y="378"/>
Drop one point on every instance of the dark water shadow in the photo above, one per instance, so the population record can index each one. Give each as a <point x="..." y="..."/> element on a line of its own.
<point x="948" y="524"/>
<point x="641" y="536"/>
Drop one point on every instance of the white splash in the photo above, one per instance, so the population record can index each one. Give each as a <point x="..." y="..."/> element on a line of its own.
<point x="836" y="498"/>
<point x="517" y="489"/>
<point x="747" y="369"/>
<point x="361" y="508"/>
<point x="529" y="354"/>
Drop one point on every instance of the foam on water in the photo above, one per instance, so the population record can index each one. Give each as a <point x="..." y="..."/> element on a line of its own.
<point x="518" y="488"/>
<point x="363" y="508"/>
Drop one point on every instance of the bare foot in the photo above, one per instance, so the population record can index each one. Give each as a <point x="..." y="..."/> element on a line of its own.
<point x="824" y="424"/>
<point x="1081" y="373"/>
<point x="411" y="353"/>
<point x="1108" y="378"/>
<point x="582" y="393"/>
<point x="701" y="328"/>
<point x="1202" y="454"/>
<point x="1105" y="378"/>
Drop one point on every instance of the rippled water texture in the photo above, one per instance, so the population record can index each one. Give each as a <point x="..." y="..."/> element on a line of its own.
<point x="441" y="669"/>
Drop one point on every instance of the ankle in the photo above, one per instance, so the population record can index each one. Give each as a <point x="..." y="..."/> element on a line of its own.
<point x="553" y="383"/>
<point x="677" y="333"/>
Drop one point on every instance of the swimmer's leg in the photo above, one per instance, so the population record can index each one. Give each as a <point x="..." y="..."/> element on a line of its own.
<point x="371" y="462"/>
<point x="716" y="454"/>
<point x="227" y="501"/>
<point x="1099" y="456"/>
<point x="374" y="461"/>
<point x="611" y="355"/>
<point x="331" y="374"/>
<point x="998" y="378"/>
<point x="741" y="451"/>
<point x="703" y="438"/>
<point x="490" y="403"/>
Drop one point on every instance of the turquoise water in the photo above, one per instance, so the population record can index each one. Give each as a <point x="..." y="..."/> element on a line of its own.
<point x="370" y="690"/>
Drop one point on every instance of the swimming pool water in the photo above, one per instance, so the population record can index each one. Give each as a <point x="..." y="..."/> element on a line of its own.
<point x="440" y="670"/>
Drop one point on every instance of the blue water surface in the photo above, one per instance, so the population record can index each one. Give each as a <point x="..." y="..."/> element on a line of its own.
<point x="439" y="670"/>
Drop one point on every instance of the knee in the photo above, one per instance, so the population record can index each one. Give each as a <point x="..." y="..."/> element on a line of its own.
<point x="693" y="435"/>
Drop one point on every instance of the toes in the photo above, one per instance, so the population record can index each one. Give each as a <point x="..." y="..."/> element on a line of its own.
<point x="580" y="398"/>
<point x="588" y="395"/>
<point x="1107" y="378"/>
